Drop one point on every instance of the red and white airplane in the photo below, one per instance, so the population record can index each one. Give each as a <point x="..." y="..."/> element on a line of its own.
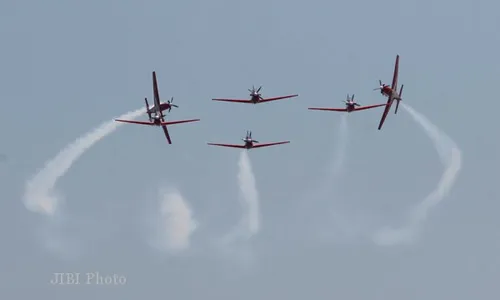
<point x="249" y="143"/>
<point x="256" y="97"/>
<point x="350" y="106"/>
<point x="391" y="92"/>
<point x="158" y="119"/>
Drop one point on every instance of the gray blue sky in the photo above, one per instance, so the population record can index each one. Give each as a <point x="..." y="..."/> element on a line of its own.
<point x="68" y="66"/>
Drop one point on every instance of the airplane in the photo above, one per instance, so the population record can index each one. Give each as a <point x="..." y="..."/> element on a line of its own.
<point x="255" y="97"/>
<point x="350" y="106"/>
<point x="158" y="119"/>
<point x="163" y="105"/>
<point x="249" y="143"/>
<point x="391" y="93"/>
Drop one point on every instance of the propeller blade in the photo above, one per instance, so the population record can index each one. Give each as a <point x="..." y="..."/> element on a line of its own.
<point x="259" y="89"/>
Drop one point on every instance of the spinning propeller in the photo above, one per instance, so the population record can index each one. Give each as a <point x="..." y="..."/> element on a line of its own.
<point x="170" y="104"/>
<point x="248" y="138"/>
<point x="382" y="85"/>
<point x="350" y="101"/>
<point x="254" y="92"/>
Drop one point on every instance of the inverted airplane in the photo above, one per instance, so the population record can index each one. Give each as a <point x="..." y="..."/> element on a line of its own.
<point x="158" y="119"/>
<point x="350" y="106"/>
<point x="249" y="143"/>
<point x="391" y="92"/>
<point x="255" y="97"/>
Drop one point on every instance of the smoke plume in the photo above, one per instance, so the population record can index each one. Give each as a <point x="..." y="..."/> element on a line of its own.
<point x="40" y="196"/>
<point x="451" y="157"/>
<point x="249" y="224"/>
<point x="176" y="223"/>
<point x="249" y="194"/>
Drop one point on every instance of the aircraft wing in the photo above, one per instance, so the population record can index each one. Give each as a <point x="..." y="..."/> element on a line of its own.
<point x="386" y="111"/>
<point x="156" y="94"/>
<point x="135" y="122"/>
<point x="369" y="106"/>
<point x="394" y="85"/>
<point x="269" y="144"/>
<point x="165" y="130"/>
<point x="228" y="145"/>
<point x="179" y="122"/>
<point x="233" y="100"/>
<point x="328" y="109"/>
<point x="277" y="98"/>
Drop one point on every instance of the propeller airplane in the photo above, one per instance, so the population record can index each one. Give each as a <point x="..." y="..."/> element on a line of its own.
<point x="391" y="93"/>
<point x="155" y="113"/>
<point x="255" y="97"/>
<point x="350" y="106"/>
<point x="249" y="143"/>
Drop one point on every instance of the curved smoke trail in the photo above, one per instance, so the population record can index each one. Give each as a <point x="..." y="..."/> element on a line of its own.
<point x="40" y="195"/>
<point x="451" y="157"/>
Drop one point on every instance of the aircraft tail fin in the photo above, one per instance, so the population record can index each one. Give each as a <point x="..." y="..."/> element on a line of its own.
<point x="147" y="108"/>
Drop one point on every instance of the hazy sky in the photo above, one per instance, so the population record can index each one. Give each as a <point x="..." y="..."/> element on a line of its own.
<point x="68" y="66"/>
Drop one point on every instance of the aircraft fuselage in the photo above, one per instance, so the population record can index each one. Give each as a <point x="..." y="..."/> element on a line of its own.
<point x="255" y="98"/>
<point x="156" y="121"/>
<point x="248" y="144"/>
<point x="387" y="91"/>
<point x="163" y="106"/>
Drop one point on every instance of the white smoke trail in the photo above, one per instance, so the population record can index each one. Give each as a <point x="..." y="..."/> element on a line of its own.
<point x="321" y="190"/>
<point x="451" y="157"/>
<point x="40" y="195"/>
<point x="176" y="223"/>
<point x="232" y="245"/>
<point x="341" y="147"/>
<point x="339" y="155"/>
<point x="248" y="188"/>
<point x="249" y="224"/>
